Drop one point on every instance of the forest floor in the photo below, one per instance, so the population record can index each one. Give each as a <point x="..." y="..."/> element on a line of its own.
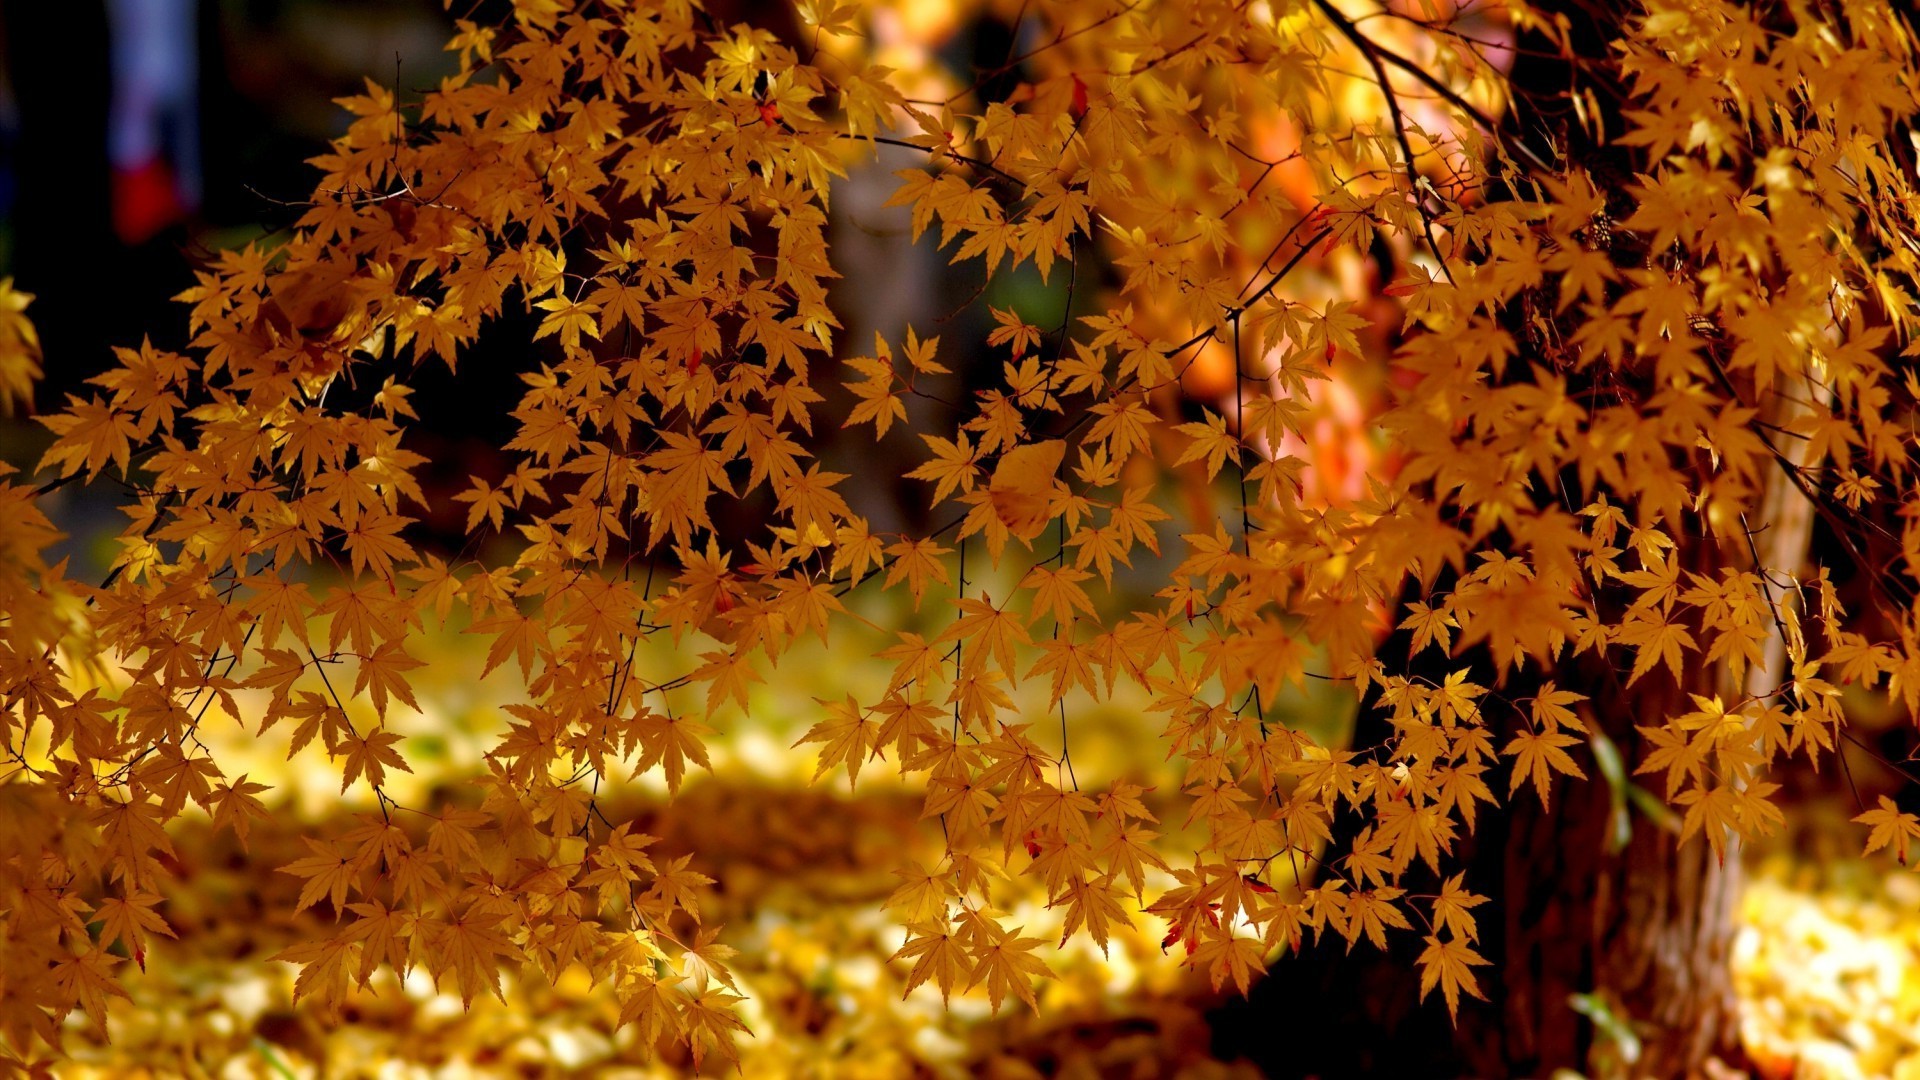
<point x="1827" y="963"/>
<point x="1827" y="967"/>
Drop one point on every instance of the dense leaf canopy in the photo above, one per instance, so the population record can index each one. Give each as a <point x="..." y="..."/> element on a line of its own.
<point x="1602" y="386"/>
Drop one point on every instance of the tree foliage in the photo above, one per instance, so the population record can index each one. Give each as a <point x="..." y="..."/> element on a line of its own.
<point x="1597" y="376"/>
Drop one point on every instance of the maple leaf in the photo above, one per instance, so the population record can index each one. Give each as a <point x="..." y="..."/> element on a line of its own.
<point x="1057" y="593"/>
<point x="922" y="896"/>
<point x="519" y="636"/>
<point x="130" y="919"/>
<point x="671" y="741"/>
<point x="383" y="673"/>
<point x="1451" y="907"/>
<point x="1371" y="912"/>
<point x="1069" y="663"/>
<point x="489" y="504"/>
<point x="1683" y="759"/>
<point x="470" y="948"/>
<point x="705" y="960"/>
<point x="855" y="548"/>
<point x="994" y="630"/>
<point x="920" y="353"/>
<point x="1212" y="441"/>
<point x="1892" y="828"/>
<point x="1022" y="488"/>
<point x="131" y="830"/>
<point x="1537" y="756"/>
<point x="371" y="755"/>
<point x="107" y="433"/>
<point x="1230" y="956"/>
<point x="86" y="979"/>
<point x="234" y="806"/>
<point x="916" y="562"/>
<point x="1455" y="699"/>
<point x="1430" y="625"/>
<point x="373" y="542"/>
<point x="710" y="1020"/>
<point x="1128" y="854"/>
<point x="675" y="886"/>
<point x="19" y="349"/>
<point x="954" y="465"/>
<point x="569" y="319"/>
<point x="619" y="302"/>
<point x="1656" y="640"/>
<point x="936" y="956"/>
<point x="330" y="873"/>
<point x="1010" y="330"/>
<point x="1008" y="964"/>
<point x="385" y="936"/>
<point x="848" y="735"/>
<point x="1717" y="810"/>
<point x="326" y="965"/>
<point x="727" y="674"/>
<point x="1550" y="708"/>
<point x="452" y="833"/>
<point x="1449" y="964"/>
<point x="625" y="852"/>
<point x="651" y="1005"/>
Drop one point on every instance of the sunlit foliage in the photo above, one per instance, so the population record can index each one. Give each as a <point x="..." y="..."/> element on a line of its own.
<point x="1598" y="380"/>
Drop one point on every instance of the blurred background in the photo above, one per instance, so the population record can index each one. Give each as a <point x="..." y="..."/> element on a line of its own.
<point x="138" y="135"/>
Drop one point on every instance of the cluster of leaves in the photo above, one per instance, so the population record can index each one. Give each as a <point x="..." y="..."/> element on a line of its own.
<point x="1607" y="389"/>
<point x="801" y="878"/>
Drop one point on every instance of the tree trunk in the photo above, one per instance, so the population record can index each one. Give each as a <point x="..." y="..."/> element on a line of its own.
<point x="1640" y="934"/>
<point x="1645" y="931"/>
<point x="1648" y="931"/>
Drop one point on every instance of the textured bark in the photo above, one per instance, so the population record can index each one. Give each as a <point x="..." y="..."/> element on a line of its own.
<point x="1652" y="926"/>
<point x="1649" y="928"/>
<point x="1665" y="931"/>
